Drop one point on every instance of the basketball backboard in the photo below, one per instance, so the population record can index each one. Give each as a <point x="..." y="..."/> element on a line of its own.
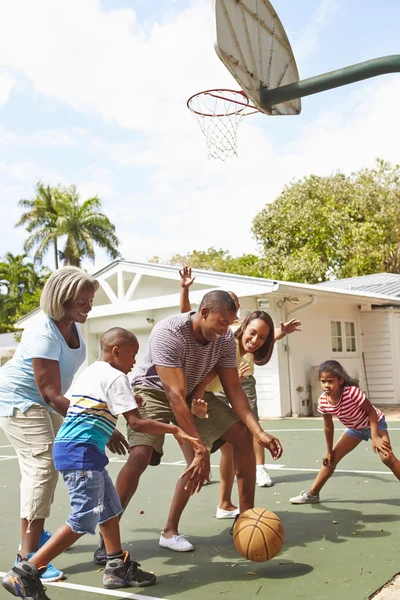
<point x="252" y="44"/>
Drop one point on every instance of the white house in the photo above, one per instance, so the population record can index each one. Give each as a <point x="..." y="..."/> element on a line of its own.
<point x="358" y="327"/>
<point x="8" y="345"/>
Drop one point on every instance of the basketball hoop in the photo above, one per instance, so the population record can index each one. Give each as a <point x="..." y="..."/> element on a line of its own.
<point x="219" y="114"/>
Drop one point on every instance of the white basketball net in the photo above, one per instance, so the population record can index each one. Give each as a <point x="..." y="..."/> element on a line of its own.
<point x="219" y="114"/>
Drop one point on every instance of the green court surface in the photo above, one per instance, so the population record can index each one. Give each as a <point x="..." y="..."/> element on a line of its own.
<point x="346" y="547"/>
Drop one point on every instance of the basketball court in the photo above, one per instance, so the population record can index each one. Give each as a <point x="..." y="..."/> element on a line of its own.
<point x="346" y="547"/>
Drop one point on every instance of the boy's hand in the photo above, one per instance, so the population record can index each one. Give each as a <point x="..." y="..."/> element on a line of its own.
<point x="186" y="277"/>
<point x="182" y="437"/>
<point x="199" y="408"/>
<point x="139" y="400"/>
<point x="243" y="367"/>
<point x="327" y="460"/>
<point x="381" y="445"/>
<point x="117" y="443"/>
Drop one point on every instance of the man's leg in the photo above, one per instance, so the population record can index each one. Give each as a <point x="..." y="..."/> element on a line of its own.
<point x="179" y="501"/>
<point x="244" y="463"/>
<point x="227" y="477"/>
<point x="128" y="477"/>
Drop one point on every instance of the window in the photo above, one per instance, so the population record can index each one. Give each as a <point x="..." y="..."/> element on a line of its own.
<point x="343" y="334"/>
<point x="336" y="331"/>
<point x="350" y="332"/>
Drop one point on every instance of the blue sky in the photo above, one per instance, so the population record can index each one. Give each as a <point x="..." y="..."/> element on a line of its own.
<point x="94" y="93"/>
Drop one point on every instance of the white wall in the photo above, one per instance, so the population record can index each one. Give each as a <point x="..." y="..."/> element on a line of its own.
<point x="380" y="354"/>
<point x="312" y="345"/>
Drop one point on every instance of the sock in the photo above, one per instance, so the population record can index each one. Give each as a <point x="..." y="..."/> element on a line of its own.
<point x="116" y="555"/>
<point x="260" y="467"/>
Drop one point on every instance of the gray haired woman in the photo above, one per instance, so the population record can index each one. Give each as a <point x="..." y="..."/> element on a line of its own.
<point x="32" y="404"/>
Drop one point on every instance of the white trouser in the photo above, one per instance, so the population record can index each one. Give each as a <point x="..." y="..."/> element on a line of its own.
<point x="32" y="435"/>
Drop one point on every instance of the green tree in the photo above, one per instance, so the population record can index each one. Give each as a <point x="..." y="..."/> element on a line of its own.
<point x="220" y="260"/>
<point x="17" y="275"/>
<point x="337" y="226"/>
<point x="21" y="285"/>
<point x="40" y="220"/>
<point x="57" y="213"/>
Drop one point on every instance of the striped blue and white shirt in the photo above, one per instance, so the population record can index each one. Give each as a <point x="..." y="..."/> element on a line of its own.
<point x="99" y="394"/>
<point x="172" y="344"/>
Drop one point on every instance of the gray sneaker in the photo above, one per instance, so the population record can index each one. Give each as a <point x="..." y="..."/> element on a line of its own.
<point x="120" y="573"/>
<point x="305" y="498"/>
<point x="24" y="582"/>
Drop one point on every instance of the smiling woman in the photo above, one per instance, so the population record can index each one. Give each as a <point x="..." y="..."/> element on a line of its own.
<point x="32" y="404"/>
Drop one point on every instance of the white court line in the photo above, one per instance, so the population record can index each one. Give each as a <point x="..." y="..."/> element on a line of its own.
<point x="336" y="471"/>
<point x="275" y="467"/>
<point x="9" y="446"/>
<point x="7" y="457"/>
<point x="320" y="429"/>
<point x="93" y="590"/>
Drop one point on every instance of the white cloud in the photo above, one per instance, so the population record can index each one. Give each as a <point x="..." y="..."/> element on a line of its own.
<point x="307" y="44"/>
<point x="7" y="82"/>
<point x="139" y="77"/>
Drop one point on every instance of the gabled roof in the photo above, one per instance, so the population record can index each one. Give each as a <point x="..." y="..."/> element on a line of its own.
<point x="385" y="284"/>
<point x="121" y="292"/>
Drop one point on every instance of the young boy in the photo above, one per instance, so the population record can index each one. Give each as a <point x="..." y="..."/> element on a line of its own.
<point x="100" y="393"/>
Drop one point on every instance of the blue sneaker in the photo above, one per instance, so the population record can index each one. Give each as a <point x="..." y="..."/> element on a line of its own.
<point x="44" y="537"/>
<point x="51" y="573"/>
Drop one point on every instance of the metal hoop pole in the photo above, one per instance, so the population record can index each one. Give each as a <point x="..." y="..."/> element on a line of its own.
<point x="328" y="81"/>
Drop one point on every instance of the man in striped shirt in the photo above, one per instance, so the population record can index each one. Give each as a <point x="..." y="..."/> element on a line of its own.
<point x="182" y="350"/>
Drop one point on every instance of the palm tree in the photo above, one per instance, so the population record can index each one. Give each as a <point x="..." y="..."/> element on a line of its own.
<point x="17" y="275"/>
<point x="41" y="220"/>
<point x="57" y="212"/>
<point x="84" y="224"/>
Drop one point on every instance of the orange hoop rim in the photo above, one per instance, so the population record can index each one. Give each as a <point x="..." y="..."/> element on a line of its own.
<point x="245" y="105"/>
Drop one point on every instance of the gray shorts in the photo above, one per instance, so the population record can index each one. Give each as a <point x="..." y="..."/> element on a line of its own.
<point x="249" y="388"/>
<point x="156" y="406"/>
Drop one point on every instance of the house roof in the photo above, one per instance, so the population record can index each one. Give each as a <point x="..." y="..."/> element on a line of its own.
<point x="386" y="284"/>
<point x="121" y="301"/>
<point x="244" y="285"/>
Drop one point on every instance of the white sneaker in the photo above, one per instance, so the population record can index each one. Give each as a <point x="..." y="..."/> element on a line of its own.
<point x="178" y="543"/>
<point x="226" y="514"/>
<point x="262" y="477"/>
<point x="304" y="498"/>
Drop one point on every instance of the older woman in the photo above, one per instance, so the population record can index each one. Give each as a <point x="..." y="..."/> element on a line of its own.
<point x="32" y="404"/>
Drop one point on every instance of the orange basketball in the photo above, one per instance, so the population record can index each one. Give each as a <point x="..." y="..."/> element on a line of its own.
<point x="258" y="534"/>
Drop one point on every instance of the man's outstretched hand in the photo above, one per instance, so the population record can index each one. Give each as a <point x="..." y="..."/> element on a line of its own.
<point x="271" y="443"/>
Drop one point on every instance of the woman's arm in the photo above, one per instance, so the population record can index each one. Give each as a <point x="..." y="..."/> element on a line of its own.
<point x="48" y="380"/>
<point x="287" y="328"/>
<point x="186" y="281"/>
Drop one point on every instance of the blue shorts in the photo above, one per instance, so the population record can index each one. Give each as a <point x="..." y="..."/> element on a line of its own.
<point x="93" y="498"/>
<point x="365" y="434"/>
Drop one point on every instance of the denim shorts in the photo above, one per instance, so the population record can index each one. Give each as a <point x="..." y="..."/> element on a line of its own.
<point x="93" y="498"/>
<point x="365" y="434"/>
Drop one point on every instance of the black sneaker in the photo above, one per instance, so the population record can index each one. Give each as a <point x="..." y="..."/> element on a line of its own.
<point x="100" y="555"/>
<point x="126" y="573"/>
<point x="24" y="582"/>
<point x="233" y="526"/>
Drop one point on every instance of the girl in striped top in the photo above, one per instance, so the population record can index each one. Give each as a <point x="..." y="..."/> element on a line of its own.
<point x="343" y="398"/>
